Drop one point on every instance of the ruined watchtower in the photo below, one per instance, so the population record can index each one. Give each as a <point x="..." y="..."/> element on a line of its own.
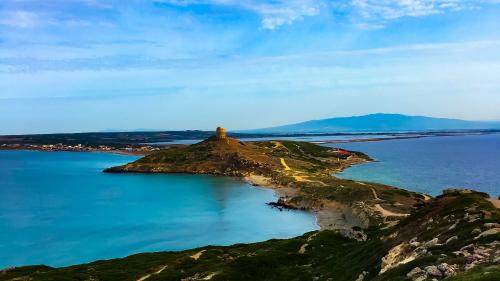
<point x="220" y="133"/>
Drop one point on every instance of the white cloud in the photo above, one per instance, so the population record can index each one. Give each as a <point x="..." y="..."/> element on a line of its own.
<point x="367" y="14"/>
<point x="19" y="19"/>
<point x="392" y="9"/>
<point x="273" y="13"/>
<point x="285" y="12"/>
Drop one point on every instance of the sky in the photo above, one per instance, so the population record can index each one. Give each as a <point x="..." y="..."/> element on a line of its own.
<point x="90" y="65"/>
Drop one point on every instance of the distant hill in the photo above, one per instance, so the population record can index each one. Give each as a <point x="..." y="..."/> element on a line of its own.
<point x="379" y="122"/>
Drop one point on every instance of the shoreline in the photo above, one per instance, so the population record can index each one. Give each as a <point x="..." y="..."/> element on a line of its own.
<point x="119" y="152"/>
<point x="331" y="216"/>
<point x="326" y="218"/>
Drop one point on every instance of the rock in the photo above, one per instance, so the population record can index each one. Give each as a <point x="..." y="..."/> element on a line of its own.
<point x="476" y="231"/>
<point x="433" y="272"/>
<point x="453" y="226"/>
<point x="488" y="232"/>
<point x="431" y="243"/>
<point x="475" y="217"/>
<point x="448" y="270"/>
<point x="414" y="243"/>
<point x="400" y="254"/>
<point x="451" y="239"/>
<point x="420" y="251"/>
<point x="474" y="258"/>
<point x="361" y="276"/>
<point x="492" y="225"/>
<point x="417" y="274"/>
<point x="468" y="248"/>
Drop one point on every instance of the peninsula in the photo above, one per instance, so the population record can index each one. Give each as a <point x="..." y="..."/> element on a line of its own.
<point x="299" y="172"/>
<point x="368" y="231"/>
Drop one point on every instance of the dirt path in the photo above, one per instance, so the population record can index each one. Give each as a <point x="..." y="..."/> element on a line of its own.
<point x="387" y="213"/>
<point x="284" y="164"/>
<point x="302" y="249"/>
<point x="303" y="179"/>
<point x="151" y="274"/>
<point x="495" y="202"/>
<point x="197" y="255"/>
<point x="384" y="212"/>
<point x="375" y="195"/>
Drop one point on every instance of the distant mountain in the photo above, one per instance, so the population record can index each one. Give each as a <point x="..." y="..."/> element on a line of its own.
<point x="379" y="122"/>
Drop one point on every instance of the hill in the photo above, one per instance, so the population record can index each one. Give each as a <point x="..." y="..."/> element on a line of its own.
<point x="380" y="123"/>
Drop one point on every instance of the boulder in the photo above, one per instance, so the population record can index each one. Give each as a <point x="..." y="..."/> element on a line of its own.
<point x="488" y="232"/>
<point x="451" y="239"/>
<point x="431" y="243"/>
<point x="433" y="272"/>
<point x="476" y="231"/>
<point x="448" y="270"/>
<point x="490" y="225"/>
<point x="417" y="274"/>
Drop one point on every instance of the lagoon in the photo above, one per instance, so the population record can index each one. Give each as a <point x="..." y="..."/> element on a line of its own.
<point x="58" y="209"/>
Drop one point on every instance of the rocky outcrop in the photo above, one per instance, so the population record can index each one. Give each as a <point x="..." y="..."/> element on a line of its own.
<point x="406" y="252"/>
<point x="401" y="254"/>
<point x="433" y="272"/>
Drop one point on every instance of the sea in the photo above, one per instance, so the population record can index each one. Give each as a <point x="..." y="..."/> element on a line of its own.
<point x="431" y="164"/>
<point x="59" y="209"/>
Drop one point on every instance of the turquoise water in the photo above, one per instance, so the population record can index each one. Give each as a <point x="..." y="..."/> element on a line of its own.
<point x="432" y="164"/>
<point x="58" y="209"/>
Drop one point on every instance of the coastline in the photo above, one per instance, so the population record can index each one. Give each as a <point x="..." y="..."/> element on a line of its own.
<point x="329" y="215"/>
<point x="119" y="152"/>
<point x="327" y="218"/>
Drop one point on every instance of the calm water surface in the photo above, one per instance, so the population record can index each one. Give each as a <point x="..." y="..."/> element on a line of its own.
<point x="304" y="138"/>
<point x="432" y="164"/>
<point x="58" y="209"/>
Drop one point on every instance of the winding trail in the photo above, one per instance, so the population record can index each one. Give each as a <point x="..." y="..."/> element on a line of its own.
<point x="303" y="179"/>
<point x="197" y="255"/>
<point x="297" y="175"/>
<point x="384" y="212"/>
<point x="376" y="195"/>
<point x="287" y="168"/>
<point x="387" y="213"/>
<point x="151" y="274"/>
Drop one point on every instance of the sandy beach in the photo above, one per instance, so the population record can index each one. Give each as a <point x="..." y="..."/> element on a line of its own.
<point x="331" y="215"/>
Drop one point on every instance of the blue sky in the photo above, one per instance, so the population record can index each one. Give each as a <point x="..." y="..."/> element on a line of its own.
<point x="89" y="65"/>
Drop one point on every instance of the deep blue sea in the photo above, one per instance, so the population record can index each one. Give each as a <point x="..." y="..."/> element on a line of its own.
<point x="431" y="164"/>
<point x="58" y="208"/>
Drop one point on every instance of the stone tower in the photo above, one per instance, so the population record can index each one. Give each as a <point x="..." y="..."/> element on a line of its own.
<point x="220" y="133"/>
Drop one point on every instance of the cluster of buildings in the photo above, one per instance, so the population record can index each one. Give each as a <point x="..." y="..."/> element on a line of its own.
<point x="77" y="147"/>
